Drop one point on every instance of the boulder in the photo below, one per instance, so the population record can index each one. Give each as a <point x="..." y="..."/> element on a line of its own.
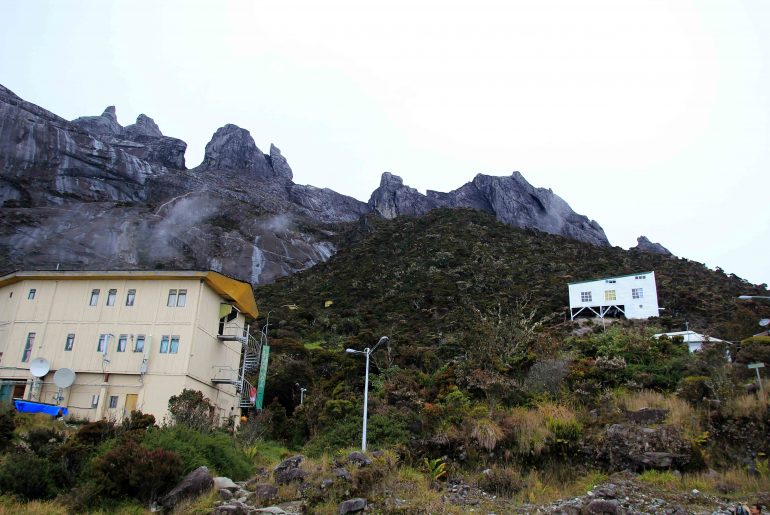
<point x="342" y="473"/>
<point x="352" y="506"/>
<point x="602" y="507"/>
<point x="288" y="470"/>
<point x="193" y="484"/>
<point x="646" y="416"/>
<point x="359" y="459"/>
<point x="226" y="483"/>
<point x="629" y="446"/>
<point x="264" y="492"/>
<point x="232" y="508"/>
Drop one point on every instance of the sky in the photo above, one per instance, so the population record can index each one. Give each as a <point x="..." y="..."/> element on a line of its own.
<point x="651" y="117"/>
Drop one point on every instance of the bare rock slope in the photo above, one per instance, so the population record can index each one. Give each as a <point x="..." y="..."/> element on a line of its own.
<point x="91" y="193"/>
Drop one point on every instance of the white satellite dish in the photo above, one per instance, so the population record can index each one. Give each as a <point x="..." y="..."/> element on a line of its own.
<point x="64" y="377"/>
<point x="764" y="322"/>
<point x="39" y="367"/>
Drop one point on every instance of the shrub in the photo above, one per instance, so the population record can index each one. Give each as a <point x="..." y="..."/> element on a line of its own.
<point x="502" y="481"/>
<point x="135" y="471"/>
<point x="44" y="441"/>
<point x="487" y="433"/>
<point x="7" y="425"/>
<point x="216" y="450"/>
<point x="138" y="421"/>
<point x="95" y="433"/>
<point x="343" y="434"/>
<point x="190" y="408"/>
<point x="27" y="476"/>
<point x="693" y="389"/>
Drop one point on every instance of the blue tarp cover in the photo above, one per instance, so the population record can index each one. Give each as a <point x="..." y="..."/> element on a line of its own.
<point x="36" y="407"/>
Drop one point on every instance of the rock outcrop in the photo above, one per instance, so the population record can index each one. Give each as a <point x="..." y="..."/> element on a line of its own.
<point x="511" y="199"/>
<point x="90" y="193"/>
<point x="645" y="245"/>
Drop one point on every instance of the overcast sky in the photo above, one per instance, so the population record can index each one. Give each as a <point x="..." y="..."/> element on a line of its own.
<point x="650" y="117"/>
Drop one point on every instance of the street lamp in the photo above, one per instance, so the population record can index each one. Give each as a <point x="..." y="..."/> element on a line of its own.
<point x="366" y="352"/>
<point x="301" y="393"/>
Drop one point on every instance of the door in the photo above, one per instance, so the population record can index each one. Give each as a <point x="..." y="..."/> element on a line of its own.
<point x="130" y="404"/>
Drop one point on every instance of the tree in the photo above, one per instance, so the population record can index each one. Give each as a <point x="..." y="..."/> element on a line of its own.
<point x="190" y="408"/>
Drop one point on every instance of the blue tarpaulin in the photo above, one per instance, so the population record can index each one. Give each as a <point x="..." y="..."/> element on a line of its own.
<point x="37" y="407"/>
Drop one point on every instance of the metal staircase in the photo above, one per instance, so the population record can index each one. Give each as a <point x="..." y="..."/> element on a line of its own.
<point x="250" y="359"/>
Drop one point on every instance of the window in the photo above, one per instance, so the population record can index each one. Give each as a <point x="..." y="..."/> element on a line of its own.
<point x="609" y="281"/>
<point x="102" y="345"/>
<point x="130" y="297"/>
<point x="171" y="298"/>
<point x="122" y="339"/>
<point x="113" y="401"/>
<point x="94" y="298"/>
<point x="585" y="296"/>
<point x="139" y="344"/>
<point x="174" y="345"/>
<point x="28" y="347"/>
<point x="111" y="297"/>
<point x="164" y="344"/>
<point x="31" y="294"/>
<point x="94" y="400"/>
<point x="640" y="277"/>
<point x="610" y="295"/>
<point x="70" y="342"/>
<point x="181" y="300"/>
<point x="637" y="293"/>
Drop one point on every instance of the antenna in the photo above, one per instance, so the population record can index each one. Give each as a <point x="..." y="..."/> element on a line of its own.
<point x="39" y="367"/>
<point x="64" y="377"/>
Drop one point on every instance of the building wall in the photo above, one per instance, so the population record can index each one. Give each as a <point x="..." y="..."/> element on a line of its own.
<point x="62" y="307"/>
<point x="644" y="307"/>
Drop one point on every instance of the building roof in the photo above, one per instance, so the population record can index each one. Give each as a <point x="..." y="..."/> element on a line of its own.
<point x="689" y="336"/>
<point x="239" y="292"/>
<point x="610" y="277"/>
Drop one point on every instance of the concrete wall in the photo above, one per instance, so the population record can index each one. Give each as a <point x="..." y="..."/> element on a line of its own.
<point x="623" y="286"/>
<point x="62" y="307"/>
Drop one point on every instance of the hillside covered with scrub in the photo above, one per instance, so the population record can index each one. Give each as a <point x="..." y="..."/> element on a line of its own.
<point x="486" y="397"/>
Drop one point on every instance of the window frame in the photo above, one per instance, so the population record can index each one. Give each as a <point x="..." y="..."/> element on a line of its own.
<point x="122" y="343"/>
<point x="31" y="294"/>
<point x="112" y="296"/>
<point x="139" y="338"/>
<point x="586" y="296"/>
<point x="637" y="293"/>
<point x="101" y="345"/>
<point x="131" y="297"/>
<point x="171" y="300"/>
<point x="173" y="346"/>
<point x="181" y="298"/>
<point x="610" y="295"/>
<point x="94" y="300"/>
<point x="164" y="343"/>
<point x="113" y="401"/>
<point x="28" y="345"/>
<point x="69" y="343"/>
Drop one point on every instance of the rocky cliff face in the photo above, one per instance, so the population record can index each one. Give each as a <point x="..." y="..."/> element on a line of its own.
<point x="511" y="199"/>
<point x="645" y="245"/>
<point x="91" y="193"/>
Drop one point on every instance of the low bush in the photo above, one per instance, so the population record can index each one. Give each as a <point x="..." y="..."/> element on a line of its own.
<point x="44" y="441"/>
<point x="130" y="470"/>
<point x="7" y="425"/>
<point x="502" y="481"/>
<point x="27" y="476"/>
<point x="94" y="433"/>
<point x="216" y="450"/>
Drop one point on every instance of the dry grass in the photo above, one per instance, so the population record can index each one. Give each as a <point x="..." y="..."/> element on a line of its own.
<point x="680" y="413"/>
<point x="747" y="405"/>
<point x="530" y="426"/>
<point x="201" y="505"/>
<point x="487" y="433"/>
<point x="732" y="484"/>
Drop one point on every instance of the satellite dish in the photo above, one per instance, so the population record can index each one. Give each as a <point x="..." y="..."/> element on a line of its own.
<point x="64" y="377"/>
<point x="764" y="322"/>
<point x="39" y="367"/>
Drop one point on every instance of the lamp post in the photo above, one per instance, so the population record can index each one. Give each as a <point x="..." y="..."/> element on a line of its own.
<point x="301" y="393"/>
<point x="366" y="352"/>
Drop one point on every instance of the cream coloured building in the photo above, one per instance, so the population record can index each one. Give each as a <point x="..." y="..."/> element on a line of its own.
<point x="133" y="339"/>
